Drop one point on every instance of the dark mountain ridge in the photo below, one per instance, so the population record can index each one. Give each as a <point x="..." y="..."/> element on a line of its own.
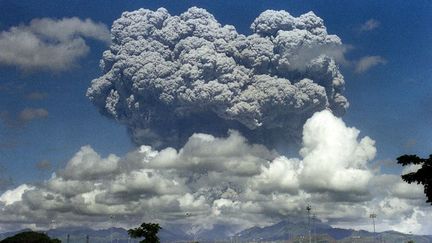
<point x="290" y="229"/>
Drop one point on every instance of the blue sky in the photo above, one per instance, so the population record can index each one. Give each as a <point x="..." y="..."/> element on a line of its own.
<point x="389" y="102"/>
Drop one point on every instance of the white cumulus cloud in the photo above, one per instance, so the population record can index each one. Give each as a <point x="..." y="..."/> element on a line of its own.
<point x="14" y="195"/>
<point x="223" y="180"/>
<point x="49" y="44"/>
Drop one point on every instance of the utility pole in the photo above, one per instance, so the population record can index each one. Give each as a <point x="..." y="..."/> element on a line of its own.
<point x="111" y="229"/>
<point x="309" y="208"/>
<point x="373" y="216"/>
<point x="314" y="228"/>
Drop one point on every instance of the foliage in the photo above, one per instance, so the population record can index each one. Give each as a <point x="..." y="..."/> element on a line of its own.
<point x="30" y="237"/>
<point x="147" y="230"/>
<point x="422" y="176"/>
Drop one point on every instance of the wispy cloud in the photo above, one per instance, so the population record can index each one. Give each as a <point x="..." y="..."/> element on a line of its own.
<point x="29" y="114"/>
<point x="8" y="144"/>
<point x="410" y="143"/>
<point x="24" y="117"/>
<point x="36" y="95"/>
<point x="369" y="25"/>
<point x="49" y="44"/>
<point x="367" y="62"/>
<point x="43" y="165"/>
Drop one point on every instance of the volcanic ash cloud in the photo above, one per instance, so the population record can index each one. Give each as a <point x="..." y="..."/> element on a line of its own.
<point x="166" y="77"/>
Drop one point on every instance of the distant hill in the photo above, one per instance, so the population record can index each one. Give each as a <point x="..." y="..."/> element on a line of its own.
<point x="12" y="233"/>
<point x="293" y="229"/>
<point x="298" y="229"/>
<point x="30" y="237"/>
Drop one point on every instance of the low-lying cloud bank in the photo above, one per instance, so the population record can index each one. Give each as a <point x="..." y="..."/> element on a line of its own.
<point x="224" y="180"/>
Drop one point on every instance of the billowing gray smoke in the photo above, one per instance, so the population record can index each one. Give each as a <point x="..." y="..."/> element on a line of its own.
<point x="167" y="77"/>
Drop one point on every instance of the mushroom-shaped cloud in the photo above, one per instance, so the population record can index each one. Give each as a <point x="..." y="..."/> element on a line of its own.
<point x="167" y="77"/>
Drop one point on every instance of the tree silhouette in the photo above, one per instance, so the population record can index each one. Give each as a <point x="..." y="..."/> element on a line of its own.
<point x="147" y="230"/>
<point x="422" y="176"/>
